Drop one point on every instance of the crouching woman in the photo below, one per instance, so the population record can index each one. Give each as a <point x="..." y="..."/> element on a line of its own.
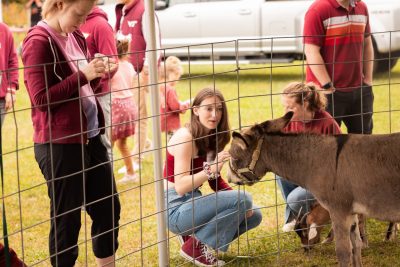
<point x="308" y="105"/>
<point x="206" y="223"/>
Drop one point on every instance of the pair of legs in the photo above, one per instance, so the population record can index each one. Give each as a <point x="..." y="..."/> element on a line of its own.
<point x="122" y="145"/>
<point x="296" y="197"/>
<point x="140" y="138"/>
<point x="353" y="108"/>
<point x="70" y="185"/>
<point x="124" y="116"/>
<point x="215" y="219"/>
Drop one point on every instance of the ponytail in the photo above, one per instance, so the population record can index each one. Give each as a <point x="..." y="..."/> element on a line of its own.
<point x="309" y="93"/>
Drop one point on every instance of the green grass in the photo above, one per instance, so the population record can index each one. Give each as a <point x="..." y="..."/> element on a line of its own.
<point x="254" y="90"/>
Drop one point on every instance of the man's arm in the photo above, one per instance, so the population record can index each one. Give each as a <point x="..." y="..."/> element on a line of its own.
<point x="316" y="63"/>
<point x="368" y="65"/>
<point x="28" y="5"/>
<point x="12" y="65"/>
<point x="39" y="3"/>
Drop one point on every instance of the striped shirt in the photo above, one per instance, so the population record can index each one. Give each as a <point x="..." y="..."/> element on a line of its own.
<point x="340" y="33"/>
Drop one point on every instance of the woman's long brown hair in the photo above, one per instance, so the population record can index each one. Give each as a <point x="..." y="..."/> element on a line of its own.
<point x="215" y="140"/>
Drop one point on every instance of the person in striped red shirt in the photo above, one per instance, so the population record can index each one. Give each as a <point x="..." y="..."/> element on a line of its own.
<point x="339" y="52"/>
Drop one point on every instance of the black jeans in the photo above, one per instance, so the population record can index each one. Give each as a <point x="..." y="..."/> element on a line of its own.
<point x="70" y="186"/>
<point x="353" y="108"/>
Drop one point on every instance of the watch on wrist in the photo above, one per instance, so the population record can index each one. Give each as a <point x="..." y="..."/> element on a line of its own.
<point x="327" y="86"/>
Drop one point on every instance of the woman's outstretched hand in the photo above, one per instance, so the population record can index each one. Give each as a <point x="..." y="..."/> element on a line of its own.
<point x="220" y="160"/>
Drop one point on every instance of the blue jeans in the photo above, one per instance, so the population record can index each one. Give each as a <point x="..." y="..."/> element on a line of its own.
<point x="296" y="198"/>
<point x="215" y="219"/>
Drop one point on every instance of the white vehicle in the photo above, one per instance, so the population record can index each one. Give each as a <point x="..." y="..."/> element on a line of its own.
<point x="258" y="28"/>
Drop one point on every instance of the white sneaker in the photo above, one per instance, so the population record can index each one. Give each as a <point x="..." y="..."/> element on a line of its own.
<point x="288" y="227"/>
<point x="128" y="179"/>
<point x="122" y="170"/>
<point x="148" y="145"/>
<point x="136" y="167"/>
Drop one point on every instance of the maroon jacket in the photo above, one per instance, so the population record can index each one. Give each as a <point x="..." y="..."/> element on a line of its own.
<point x="131" y="24"/>
<point x="57" y="115"/>
<point x="8" y="61"/>
<point x="100" y="39"/>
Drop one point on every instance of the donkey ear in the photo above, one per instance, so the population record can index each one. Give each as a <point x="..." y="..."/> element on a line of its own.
<point x="277" y="125"/>
<point x="241" y="141"/>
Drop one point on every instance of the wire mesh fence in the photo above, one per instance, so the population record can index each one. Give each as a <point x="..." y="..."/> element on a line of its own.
<point x="252" y="94"/>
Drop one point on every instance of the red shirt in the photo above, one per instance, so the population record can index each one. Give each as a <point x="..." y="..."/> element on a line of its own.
<point x="340" y="34"/>
<point x="129" y="22"/>
<point x="322" y="123"/>
<point x="170" y="107"/>
<point x="197" y="166"/>
<point x="8" y="61"/>
<point x="100" y="39"/>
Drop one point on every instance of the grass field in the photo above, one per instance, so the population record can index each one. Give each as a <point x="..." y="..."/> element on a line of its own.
<point x="252" y="94"/>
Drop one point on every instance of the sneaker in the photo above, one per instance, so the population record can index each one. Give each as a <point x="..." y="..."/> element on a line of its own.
<point x="199" y="253"/>
<point x="128" y="179"/>
<point x="136" y="167"/>
<point x="148" y="145"/>
<point x="288" y="227"/>
<point x="122" y="170"/>
<point x="183" y="238"/>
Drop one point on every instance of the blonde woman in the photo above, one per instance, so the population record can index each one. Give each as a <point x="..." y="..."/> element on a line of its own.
<point x="308" y="104"/>
<point x="68" y="122"/>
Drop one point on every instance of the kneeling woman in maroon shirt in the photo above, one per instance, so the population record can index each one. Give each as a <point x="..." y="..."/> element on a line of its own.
<point x="308" y="104"/>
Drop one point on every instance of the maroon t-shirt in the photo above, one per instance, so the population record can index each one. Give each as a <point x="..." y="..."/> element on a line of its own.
<point x="322" y="123"/>
<point x="100" y="39"/>
<point x="340" y="34"/>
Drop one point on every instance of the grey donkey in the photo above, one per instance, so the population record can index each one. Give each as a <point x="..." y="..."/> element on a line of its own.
<point x="348" y="174"/>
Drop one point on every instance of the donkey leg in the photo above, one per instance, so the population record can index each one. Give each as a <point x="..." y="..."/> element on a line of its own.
<point x="330" y="237"/>
<point x="356" y="243"/>
<point x="362" y="222"/>
<point x="341" y="228"/>
<point x="390" y="231"/>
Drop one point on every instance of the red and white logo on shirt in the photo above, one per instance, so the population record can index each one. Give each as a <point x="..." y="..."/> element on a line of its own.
<point x="132" y="23"/>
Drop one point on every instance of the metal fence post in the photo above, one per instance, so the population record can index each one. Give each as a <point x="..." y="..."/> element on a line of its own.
<point x="155" y="108"/>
